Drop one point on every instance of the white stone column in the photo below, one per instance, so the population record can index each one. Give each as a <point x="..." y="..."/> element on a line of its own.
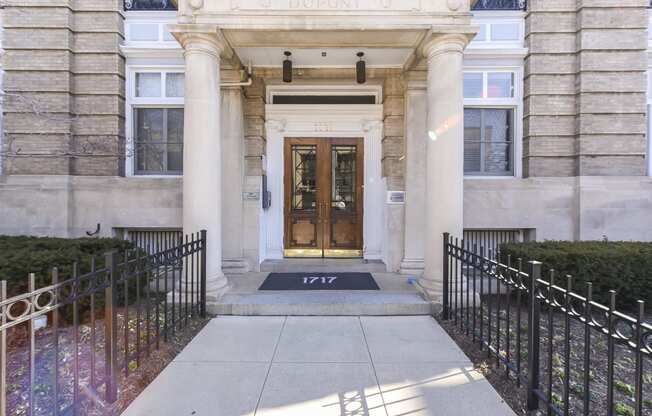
<point x="444" y="193"/>
<point x="232" y="175"/>
<point x="202" y="152"/>
<point x="415" y="179"/>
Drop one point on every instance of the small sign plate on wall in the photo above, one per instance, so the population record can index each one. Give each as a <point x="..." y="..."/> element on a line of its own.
<point x="251" y="196"/>
<point x="396" y="197"/>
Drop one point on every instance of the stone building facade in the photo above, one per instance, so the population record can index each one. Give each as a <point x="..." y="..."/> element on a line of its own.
<point x="476" y="117"/>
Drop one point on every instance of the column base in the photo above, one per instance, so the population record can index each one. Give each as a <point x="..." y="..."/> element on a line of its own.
<point x="436" y="301"/>
<point x="216" y="287"/>
<point x="413" y="267"/>
<point x="430" y="290"/>
<point x="435" y="295"/>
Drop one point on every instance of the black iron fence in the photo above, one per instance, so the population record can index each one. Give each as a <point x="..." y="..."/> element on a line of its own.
<point x="567" y="353"/>
<point x="150" y="4"/>
<point x="500" y="5"/>
<point x="65" y="347"/>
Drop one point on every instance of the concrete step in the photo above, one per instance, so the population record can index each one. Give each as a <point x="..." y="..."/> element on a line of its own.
<point x="362" y="303"/>
<point x="323" y="265"/>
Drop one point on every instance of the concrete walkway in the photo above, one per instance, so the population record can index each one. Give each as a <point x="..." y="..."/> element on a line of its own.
<point x="314" y="366"/>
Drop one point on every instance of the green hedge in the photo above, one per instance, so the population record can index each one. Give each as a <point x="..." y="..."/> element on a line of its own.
<point x="625" y="267"/>
<point x="20" y="256"/>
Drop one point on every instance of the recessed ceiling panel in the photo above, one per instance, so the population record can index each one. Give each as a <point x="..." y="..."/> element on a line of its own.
<point x="326" y="57"/>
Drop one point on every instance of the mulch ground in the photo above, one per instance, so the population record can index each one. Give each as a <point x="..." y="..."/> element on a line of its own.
<point x="50" y="365"/>
<point x="515" y="396"/>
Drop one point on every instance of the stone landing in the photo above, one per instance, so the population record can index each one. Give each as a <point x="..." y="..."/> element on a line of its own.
<point x="398" y="296"/>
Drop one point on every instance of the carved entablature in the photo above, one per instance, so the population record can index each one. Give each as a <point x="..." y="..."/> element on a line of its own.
<point x="325" y="6"/>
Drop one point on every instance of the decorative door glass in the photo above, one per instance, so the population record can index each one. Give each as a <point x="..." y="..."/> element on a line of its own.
<point x="304" y="181"/>
<point x="343" y="177"/>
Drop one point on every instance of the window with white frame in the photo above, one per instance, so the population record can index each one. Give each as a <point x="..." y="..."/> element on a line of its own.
<point x="157" y="122"/>
<point x="490" y="115"/>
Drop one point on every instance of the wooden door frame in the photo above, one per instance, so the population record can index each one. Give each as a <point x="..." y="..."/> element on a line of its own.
<point x="324" y="203"/>
<point x="286" y="121"/>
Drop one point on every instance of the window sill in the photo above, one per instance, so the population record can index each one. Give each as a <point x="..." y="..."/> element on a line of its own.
<point x="140" y="176"/>
<point x="499" y="177"/>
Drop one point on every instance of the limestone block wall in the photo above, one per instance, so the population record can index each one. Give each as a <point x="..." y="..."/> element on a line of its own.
<point x="254" y="115"/>
<point x="64" y="85"/>
<point x="394" y="124"/>
<point x="585" y="88"/>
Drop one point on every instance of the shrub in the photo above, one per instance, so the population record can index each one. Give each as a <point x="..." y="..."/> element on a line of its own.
<point x="625" y="267"/>
<point x="22" y="255"/>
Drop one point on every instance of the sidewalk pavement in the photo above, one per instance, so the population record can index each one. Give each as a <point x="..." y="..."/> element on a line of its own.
<point x="320" y="366"/>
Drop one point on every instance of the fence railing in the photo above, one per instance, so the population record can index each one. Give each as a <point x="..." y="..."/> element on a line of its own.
<point x="567" y="353"/>
<point x="150" y="5"/>
<point x="500" y="5"/>
<point x="65" y="347"/>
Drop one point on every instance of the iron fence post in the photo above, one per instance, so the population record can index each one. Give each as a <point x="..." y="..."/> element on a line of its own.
<point x="534" y="315"/>
<point x="446" y="306"/>
<point x="111" y="327"/>
<point x="203" y="275"/>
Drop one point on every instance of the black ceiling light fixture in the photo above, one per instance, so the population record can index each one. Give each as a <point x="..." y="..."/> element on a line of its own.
<point x="361" y="69"/>
<point x="287" y="67"/>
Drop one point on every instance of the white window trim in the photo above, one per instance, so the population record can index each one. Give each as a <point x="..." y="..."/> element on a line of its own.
<point x="648" y="154"/>
<point x="489" y="18"/>
<point x="161" y="19"/>
<point x="515" y="103"/>
<point x="134" y="102"/>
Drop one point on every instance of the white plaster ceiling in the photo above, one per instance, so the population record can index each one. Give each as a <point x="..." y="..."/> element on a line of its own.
<point x="311" y="58"/>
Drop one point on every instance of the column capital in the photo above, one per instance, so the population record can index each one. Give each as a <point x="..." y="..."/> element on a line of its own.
<point x="201" y="38"/>
<point x="439" y="42"/>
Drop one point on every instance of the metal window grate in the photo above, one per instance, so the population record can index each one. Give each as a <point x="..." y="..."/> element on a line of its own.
<point x="154" y="240"/>
<point x="491" y="239"/>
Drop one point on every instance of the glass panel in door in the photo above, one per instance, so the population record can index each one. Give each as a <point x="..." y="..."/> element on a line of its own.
<point x="343" y="229"/>
<point x="302" y="223"/>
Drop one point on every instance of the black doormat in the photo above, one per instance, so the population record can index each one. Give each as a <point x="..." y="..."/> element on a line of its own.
<point x="319" y="281"/>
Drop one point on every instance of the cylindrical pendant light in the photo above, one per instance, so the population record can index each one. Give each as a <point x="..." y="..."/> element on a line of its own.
<point x="287" y="67"/>
<point x="361" y="69"/>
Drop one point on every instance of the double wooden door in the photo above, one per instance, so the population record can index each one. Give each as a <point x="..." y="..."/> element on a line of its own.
<point x="323" y="197"/>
